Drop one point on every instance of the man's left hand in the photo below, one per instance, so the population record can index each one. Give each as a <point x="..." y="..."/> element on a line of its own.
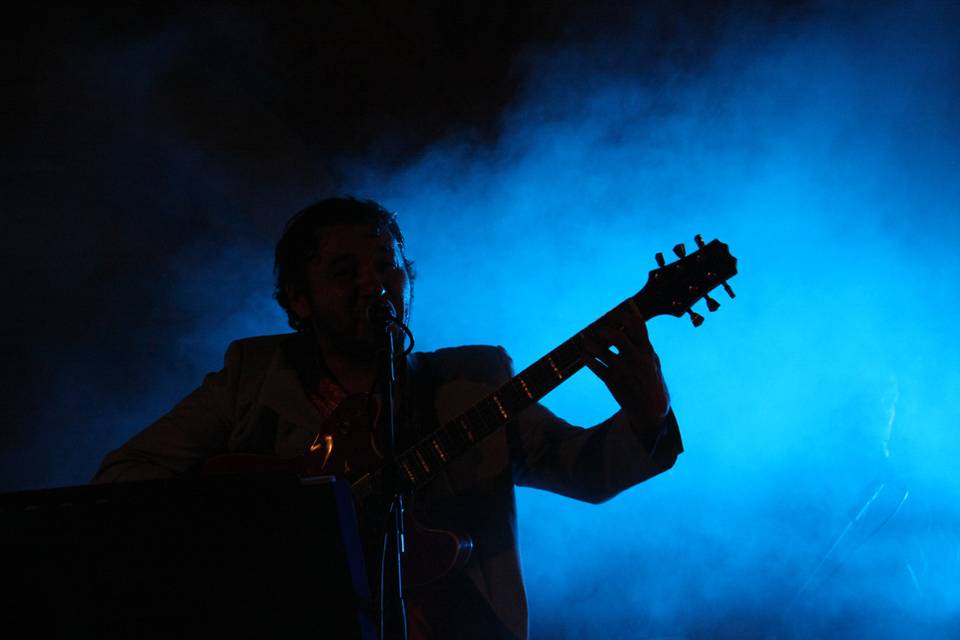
<point x="632" y="374"/>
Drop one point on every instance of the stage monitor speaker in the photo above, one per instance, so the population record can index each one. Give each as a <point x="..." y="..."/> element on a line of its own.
<point x="265" y="555"/>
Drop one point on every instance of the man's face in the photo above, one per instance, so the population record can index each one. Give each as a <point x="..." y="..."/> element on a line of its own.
<point x="353" y="264"/>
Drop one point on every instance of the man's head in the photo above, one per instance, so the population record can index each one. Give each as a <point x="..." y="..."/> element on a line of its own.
<point x="334" y="258"/>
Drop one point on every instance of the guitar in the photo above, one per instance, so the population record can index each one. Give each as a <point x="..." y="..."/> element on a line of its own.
<point x="671" y="289"/>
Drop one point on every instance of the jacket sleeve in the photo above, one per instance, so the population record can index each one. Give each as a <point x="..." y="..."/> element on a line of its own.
<point x="591" y="464"/>
<point x="195" y="429"/>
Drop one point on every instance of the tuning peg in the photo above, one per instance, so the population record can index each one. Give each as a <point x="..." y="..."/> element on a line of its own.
<point x="712" y="304"/>
<point x="729" y="291"/>
<point x="680" y="250"/>
<point x="699" y="240"/>
<point x="695" y="318"/>
<point x="659" y="259"/>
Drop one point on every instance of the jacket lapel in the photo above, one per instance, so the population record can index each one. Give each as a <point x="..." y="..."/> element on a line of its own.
<point x="283" y="395"/>
<point x="283" y="390"/>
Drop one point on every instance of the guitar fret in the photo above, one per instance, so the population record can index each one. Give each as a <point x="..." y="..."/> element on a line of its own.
<point x="491" y="408"/>
<point x="503" y="412"/>
<point x="440" y="452"/>
<point x="490" y="415"/>
<point x="457" y="435"/>
<point x="569" y="366"/>
<point x="405" y="466"/>
<point x="430" y="452"/>
<point x="422" y="460"/>
<point x="524" y="387"/>
<point x="513" y="399"/>
<point x="411" y="459"/>
<point x="544" y="381"/>
<point x="553" y="365"/>
<point x="532" y="382"/>
<point x="448" y="442"/>
<point x="467" y="431"/>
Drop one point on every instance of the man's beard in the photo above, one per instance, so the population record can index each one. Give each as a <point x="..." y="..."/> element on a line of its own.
<point x="359" y="342"/>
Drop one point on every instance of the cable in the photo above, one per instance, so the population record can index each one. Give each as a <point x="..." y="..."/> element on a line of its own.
<point x="383" y="564"/>
<point x="407" y="332"/>
<point x="383" y="567"/>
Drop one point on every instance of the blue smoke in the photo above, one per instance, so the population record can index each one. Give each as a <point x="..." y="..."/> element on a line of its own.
<point x="817" y="496"/>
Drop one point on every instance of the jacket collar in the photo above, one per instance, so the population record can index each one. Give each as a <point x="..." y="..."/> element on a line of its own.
<point x="283" y="388"/>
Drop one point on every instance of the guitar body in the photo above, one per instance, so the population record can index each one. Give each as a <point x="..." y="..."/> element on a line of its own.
<point x="430" y="553"/>
<point x="346" y="448"/>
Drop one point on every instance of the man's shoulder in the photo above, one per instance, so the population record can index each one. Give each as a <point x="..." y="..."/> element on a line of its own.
<point x="257" y="349"/>
<point x="479" y="363"/>
<point x="271" y="341"/>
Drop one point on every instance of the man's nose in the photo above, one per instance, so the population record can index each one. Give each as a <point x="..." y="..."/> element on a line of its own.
<point x="371" y="284"/>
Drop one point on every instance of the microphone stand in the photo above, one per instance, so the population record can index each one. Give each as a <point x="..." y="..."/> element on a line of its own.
<point x="395" y="508"/>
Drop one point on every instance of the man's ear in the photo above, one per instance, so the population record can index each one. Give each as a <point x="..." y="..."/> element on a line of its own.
<point x="299" y="303"/>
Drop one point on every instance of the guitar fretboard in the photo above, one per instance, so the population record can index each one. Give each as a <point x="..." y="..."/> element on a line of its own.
<point x="426" y="458"/>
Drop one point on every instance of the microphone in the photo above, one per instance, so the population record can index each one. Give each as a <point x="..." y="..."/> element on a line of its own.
<point x="381" y="311"/>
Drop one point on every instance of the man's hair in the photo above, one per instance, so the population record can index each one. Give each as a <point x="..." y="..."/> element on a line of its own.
<point x="301" y="237"/>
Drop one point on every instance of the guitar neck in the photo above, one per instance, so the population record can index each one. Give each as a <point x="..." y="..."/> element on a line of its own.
<point x="671" y="289"/>
<point x="430" y="455"/>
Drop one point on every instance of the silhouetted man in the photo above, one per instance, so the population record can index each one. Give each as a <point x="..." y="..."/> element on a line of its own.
<point x="276" y="395"/>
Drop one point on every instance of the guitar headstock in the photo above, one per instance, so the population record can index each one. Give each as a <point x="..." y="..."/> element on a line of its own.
<point x="672" y="289"/>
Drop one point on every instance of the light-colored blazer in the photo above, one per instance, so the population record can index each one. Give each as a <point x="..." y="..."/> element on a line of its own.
<point x="256" y="403"/>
